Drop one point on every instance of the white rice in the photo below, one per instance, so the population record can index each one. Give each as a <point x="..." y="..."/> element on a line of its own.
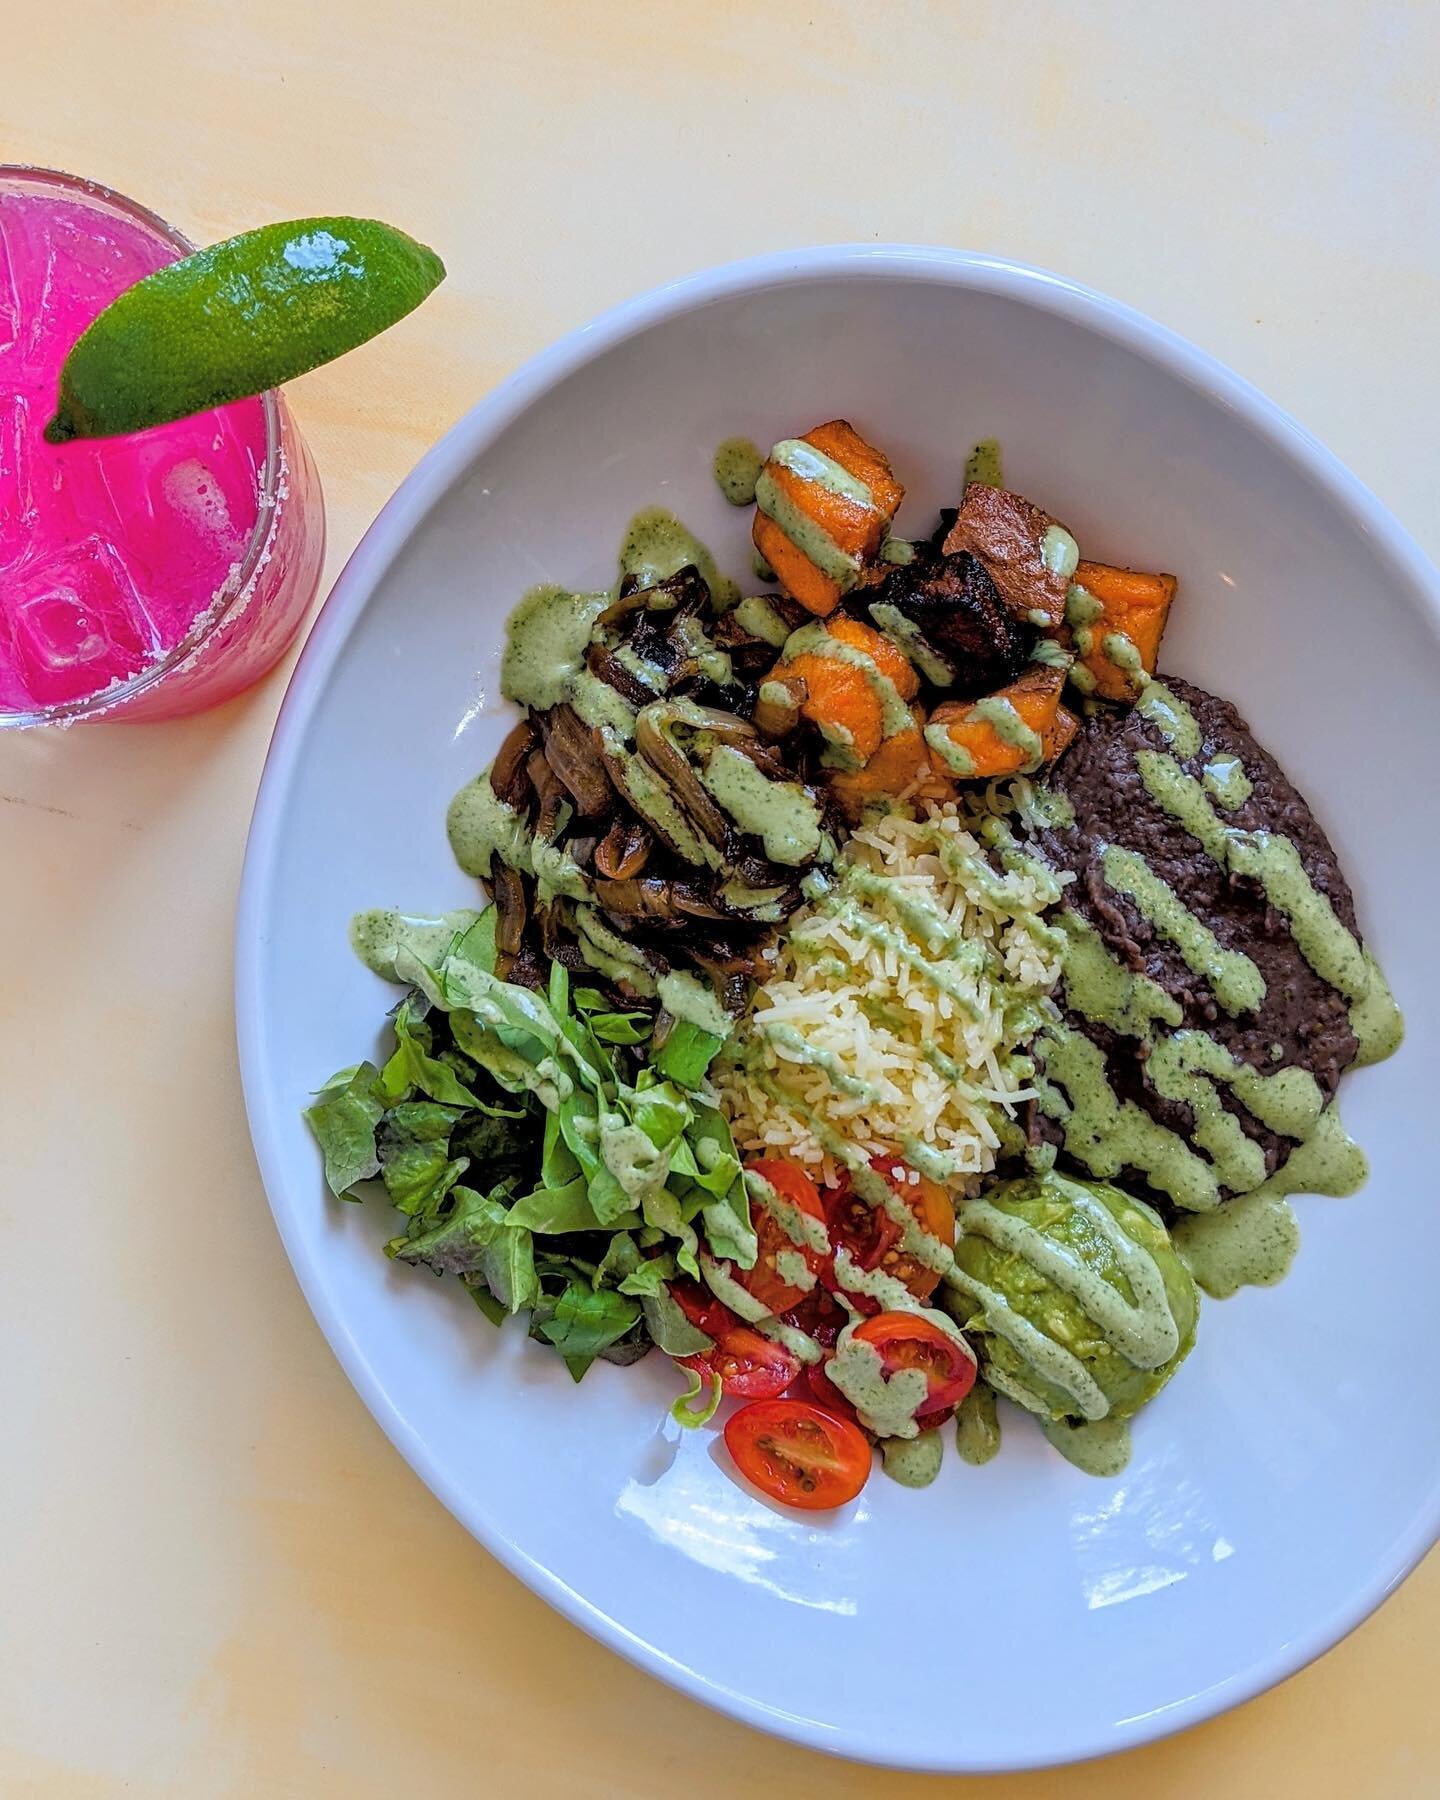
<point x="883" y="1021"/>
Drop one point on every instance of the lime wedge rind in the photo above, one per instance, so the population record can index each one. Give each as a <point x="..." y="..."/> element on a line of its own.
<point x="238" y="318"/>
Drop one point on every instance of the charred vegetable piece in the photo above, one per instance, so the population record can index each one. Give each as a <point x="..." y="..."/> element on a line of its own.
<point x="572" y="752"/>
<point x="655" y="740"/>
<point x="1003" y="734"/>
<point x="901" y="765"/>
<point x="957" y="609"/>
<point x="624" y="850"/>
<point x="655" y="901"/>
<point x="1118" y="617"/>
<point x="548" y="790"/>
<point x="1028" y="555"/>
<point x="825" y="502"/>
<point x="509" y="776"/>
<point x="848" y="681"/>
<point x="509" y="890"/>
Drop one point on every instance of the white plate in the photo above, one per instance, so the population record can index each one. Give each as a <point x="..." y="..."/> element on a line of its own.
<point x="1290" y="1476"/>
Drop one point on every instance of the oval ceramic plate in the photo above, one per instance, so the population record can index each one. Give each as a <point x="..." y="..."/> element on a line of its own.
<point x="1009" y="1616"/>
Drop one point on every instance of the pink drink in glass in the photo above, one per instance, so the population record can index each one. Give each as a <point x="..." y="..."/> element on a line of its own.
<point x="141" y="576"/>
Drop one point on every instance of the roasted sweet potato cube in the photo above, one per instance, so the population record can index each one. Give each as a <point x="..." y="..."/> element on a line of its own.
<point x="1120" y="643"/>
<point x="1006" y="733"/>
<point x="825" y="535"/>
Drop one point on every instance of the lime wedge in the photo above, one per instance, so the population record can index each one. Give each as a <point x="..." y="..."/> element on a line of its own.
<point x="236" y="319"/>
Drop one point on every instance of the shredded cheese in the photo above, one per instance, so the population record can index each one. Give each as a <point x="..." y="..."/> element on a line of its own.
<point x="902" y="1006"/>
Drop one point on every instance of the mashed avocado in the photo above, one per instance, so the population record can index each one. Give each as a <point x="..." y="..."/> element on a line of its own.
<point x="1079" y="1306"/>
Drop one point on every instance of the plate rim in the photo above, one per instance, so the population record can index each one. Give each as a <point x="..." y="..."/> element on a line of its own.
<point x="437" y="471"/>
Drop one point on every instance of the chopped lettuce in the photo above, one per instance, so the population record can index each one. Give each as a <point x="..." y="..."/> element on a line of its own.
<point x="537" y="1153"/>
<point x="687" y="1053"/>
<point x="343" y="1119"/>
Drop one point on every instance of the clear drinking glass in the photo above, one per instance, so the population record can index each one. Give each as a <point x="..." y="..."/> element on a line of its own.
<point x="146" y="576"/>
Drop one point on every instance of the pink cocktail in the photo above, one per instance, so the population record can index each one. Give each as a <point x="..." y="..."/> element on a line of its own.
<point x="141" y="576"/>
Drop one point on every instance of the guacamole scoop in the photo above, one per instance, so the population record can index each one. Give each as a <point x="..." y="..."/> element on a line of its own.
<point x="1079" y="1305"/>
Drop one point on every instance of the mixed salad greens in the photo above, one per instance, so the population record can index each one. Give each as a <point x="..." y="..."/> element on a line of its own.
<point x="535" y="1155"/>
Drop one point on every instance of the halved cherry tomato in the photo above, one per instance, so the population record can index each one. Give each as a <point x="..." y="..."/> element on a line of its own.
<point x="872" y="1237"/>
<point x="906" y="1341"/>
<point x="799" y="1454"/>
<point x="765" y="1281"/>
<point x="820" y="1315"/>
<point x="750" y="1366"/>
<point x="701" y="1308"/>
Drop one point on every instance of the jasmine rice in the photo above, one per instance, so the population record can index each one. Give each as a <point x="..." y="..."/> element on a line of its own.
<point x="900" y="1013"/>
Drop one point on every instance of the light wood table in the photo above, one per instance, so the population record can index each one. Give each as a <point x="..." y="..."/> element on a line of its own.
<point x="216" y="1577"/>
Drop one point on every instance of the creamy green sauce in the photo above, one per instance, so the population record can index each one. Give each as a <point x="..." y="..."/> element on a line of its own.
<point x="1123" y="652"/>
<point x="803" y="1229"/>
<point x="1045" y="806"/>
<point x="977" y="1426"/>
<point x="694" y="1001"/>
<point x="945" y="980"/>
<point x="1081" y="606"/>
<point x="1375" y="1019"/>
<point x="985" y="464"/>
<point x="792" y="1266"/>
<point x="781" y="813"/>
<point x="1171" y="717"/>
<point x="1051" y="654"/>
<point x="1330" y="948"/>
<point x="907" y="636"/>
<point x="1107" y="1134"/>
<point x="1234" y="979"/>
<point x="609" y="954"/>
<point x="1225" y="780"/>
<point x="1249" y="1242"/>
<point x="1101" y="1447"/>
<point x="481" y="826"/>
<point x="955" y="756"/>
<point x="1059" y="552"/>
<point x="913" y="1462"/>
<point x="814" y="466"/>
<point x="740" y="1301"/>
<point x="1329" y="1162"/>
<point x="657" y="545"/>
<point x="544" y="661"/>
<point x="377" y="935"/>
<point x="650" y="673"/>
<point x="760" y="903"/>
<point x="1082" y="678"/>
<point x="712" y="662"/>
<point x="897" y="550"/>
<point x="1002" y="718"/>
<point x="631" y="1158"/>
<point x="763" y="571"/>
<point x="1102" y="989"/>
<point x="798" y="1048"/>
<point x="884" y="1405"/>
<point x="758" y="616"/>
<point x="736" y="468"/>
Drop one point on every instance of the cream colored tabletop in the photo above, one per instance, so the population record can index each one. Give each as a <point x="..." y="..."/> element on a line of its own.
<point x="216" y="1576"/>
